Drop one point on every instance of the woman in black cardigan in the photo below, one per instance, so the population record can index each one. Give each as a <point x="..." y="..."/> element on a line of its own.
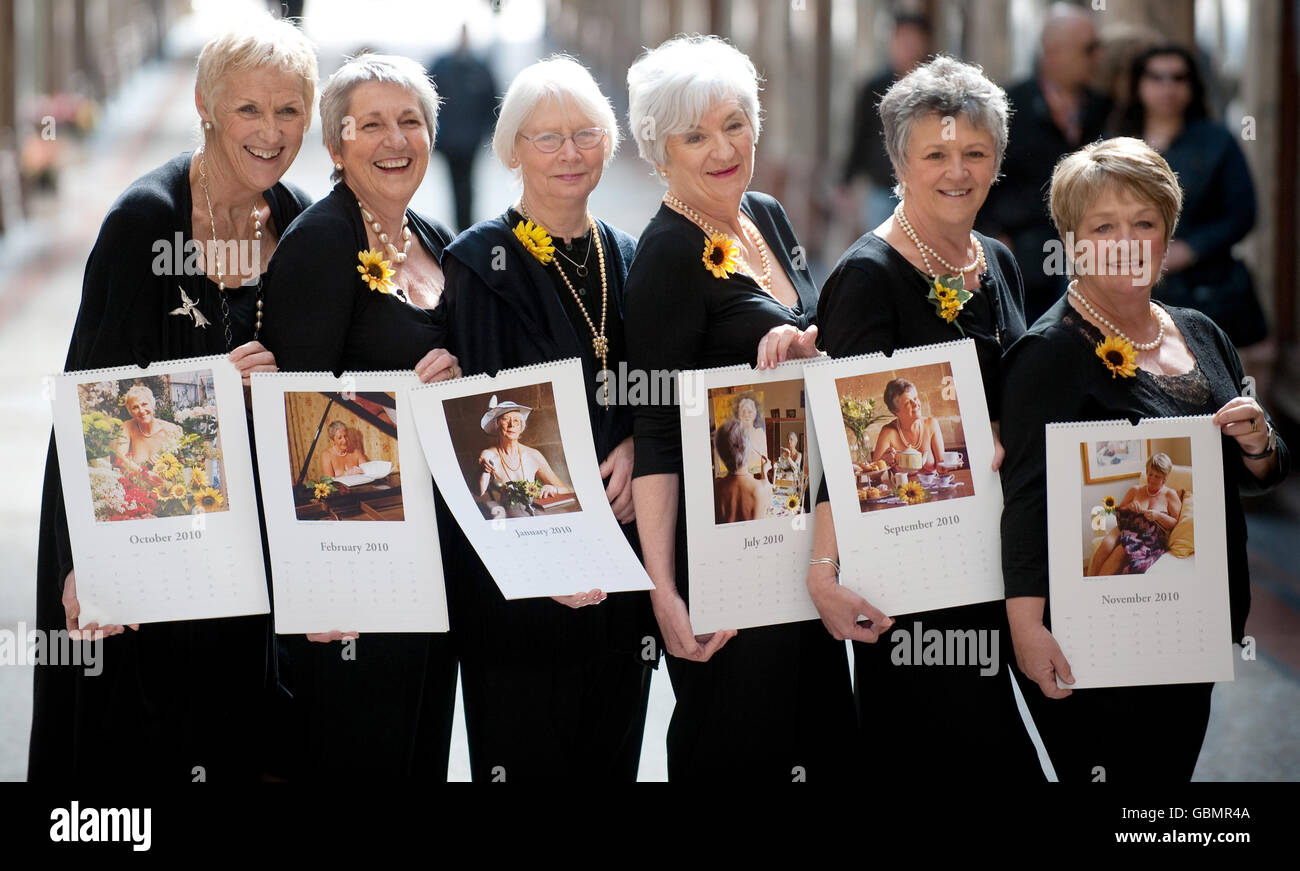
<point x="385" y="715"/>
<point x="179" y="695"/>
<point x="1173" y="362"/>
<point x="554" y="689"/>
<point x="879" y="299"/>
<point x="718" y="274"/>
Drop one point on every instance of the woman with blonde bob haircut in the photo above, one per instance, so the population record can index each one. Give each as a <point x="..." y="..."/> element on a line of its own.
<point x="717" y="281"/>
<point x="176" y="695"/>
<point x="555" y="689"/>
<point x="1113" y="353"/>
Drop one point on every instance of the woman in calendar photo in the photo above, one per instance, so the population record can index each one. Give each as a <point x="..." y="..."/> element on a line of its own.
<point x="715" y="283"/>
<point x="177" y="695"/>
<point x="555" y="689"/>
<point x="922" y="277"/>
<point x="1110" y="353"/>
<point x="356" y="285"/>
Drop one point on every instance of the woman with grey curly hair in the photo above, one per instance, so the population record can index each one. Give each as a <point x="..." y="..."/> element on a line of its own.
<point x="924" y="276"/>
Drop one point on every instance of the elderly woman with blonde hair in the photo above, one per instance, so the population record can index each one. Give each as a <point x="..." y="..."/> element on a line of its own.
<point x="177" y="272"/>
<point x="555" y="689"/>
<point x="1106" y="351"/>
<point x="718" y="281"/>
<point x="356" y="285"/>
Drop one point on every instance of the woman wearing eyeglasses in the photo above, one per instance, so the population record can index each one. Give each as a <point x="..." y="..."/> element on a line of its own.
<point x="554" y="688"/>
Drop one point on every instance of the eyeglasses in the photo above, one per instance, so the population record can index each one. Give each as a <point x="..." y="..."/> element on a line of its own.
<point x="1166" y="78"/>
<point x="549" y="143"/>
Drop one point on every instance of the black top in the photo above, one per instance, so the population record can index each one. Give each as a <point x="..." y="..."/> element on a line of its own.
<point x="875" y="300"/>
<point x="680" y="317"/>
<point x="522" y="314"/>
<point x="1218" y="196"/>
<point x="1053" y="375"/>
<point x="130" y="288"/>
<point x="321" y="316"/>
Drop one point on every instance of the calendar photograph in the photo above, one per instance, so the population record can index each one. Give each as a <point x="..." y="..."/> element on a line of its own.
<point x="907" y="442"/>
<point x="153" y="446"/>
<point x="511" y="453"/>
<point x="343" y="455"/>
<point x="760" y="456"/>
<point x="1145" y="601"/>
<point x="1143" y="525"/>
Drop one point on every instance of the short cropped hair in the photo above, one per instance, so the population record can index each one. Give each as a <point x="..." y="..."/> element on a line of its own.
<point x="732" y="442"/>
<point x="671" y="87"/>
<point x="336" y="98"/>
<point x="262" y="41"/>
<point x="139" y="391"/>
<point x="895" y="389"/>
<point x="1122" y="163"/>
<point x="1161" y="463"/>
<point x="945" y="87"/>
<point x="560" y="78"/>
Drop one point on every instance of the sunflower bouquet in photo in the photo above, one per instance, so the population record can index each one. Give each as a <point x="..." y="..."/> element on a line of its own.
<point x="521" y="493"/>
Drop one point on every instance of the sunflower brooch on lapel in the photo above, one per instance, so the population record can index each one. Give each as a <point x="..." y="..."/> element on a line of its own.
<point x="375" y="271"/>
<point x="536" y="241"/>
<point x="1118" y="356"/>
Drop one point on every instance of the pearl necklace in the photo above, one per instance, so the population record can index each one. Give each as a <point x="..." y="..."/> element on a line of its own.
<point x="903" y="436"/>
<point x="398" y="256"/>
<point x="221" y="279"/>
<point x="599" y="342"/>
<point x="1137" y="346"/>
<point x="764" y="279"/>
<point x="977" y="265"/>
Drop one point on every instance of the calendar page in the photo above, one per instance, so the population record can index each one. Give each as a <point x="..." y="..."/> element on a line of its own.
<point x="514" y="458"/>
<point x="1137" y="552"/>
<point x="158" y="485"/>
<point x="349" y="504"/>
<point x="751" y="470"/>
<point x="908" y="452"/>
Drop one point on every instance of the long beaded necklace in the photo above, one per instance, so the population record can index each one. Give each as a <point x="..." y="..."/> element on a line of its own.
<point x="599" y="343"/>
<point x="512" y="470"/>
<point x="1073" y="289"/>
<point x="216" y="257"/>
<point x="763" y="279"/>
<point x="398" y="256"/>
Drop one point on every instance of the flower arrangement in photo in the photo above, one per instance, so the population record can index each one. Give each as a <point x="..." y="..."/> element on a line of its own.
<point x="1118" y="356"/>
<point x="521" y="493"/>
<point x="199" y="420"/>
<point x="792" y="503"/>
<point x="859" y="415"/>
<point x="376" y="272"/>
<point x="1103" y="515"/>
<point x="535" y="241"/>
<point x="100" y="431"/>
<point x="322" y="488"/>
<point x="721" y="255"/>
<point x="949" y="295"/>
<point x="911" y="493"/>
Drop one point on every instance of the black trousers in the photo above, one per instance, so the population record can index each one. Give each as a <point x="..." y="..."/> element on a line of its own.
<point x="943" y="721"/>
<point x="773" y="705"/>
<point x="579" y="721"/>
<point x="1149" y="734"/>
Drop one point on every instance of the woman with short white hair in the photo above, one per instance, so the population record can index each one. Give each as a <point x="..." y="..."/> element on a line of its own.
<point x="177" y="271"/>
<point x="355" y="286"/>
<point x="554" y="689"/>
<point x="719" y="280"/>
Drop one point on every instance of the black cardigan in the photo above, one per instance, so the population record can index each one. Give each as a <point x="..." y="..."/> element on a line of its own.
<point x="503" y="318"/>
<point x="1053" y="375"/>
<point x="320" y="314"/>
<point x="124" y="319"/>
<point x="680" y="317"/>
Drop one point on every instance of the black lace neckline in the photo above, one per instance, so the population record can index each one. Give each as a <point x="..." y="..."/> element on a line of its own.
<point x="1190" y="388"/>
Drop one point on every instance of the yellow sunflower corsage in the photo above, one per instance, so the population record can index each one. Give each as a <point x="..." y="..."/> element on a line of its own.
<point x="721" y="255"/>
<point x="375" y="270"/>
<point x="911" y="493"/>
<point x="534" y="239"/>
<point x="949" y="295"/>
<point x="1118" y="356"/>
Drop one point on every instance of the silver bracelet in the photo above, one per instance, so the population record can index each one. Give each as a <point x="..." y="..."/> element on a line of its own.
<point x="830" y="561"/>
